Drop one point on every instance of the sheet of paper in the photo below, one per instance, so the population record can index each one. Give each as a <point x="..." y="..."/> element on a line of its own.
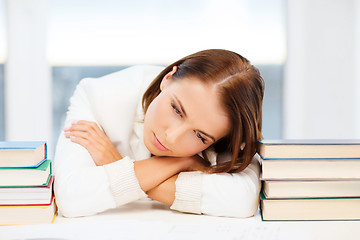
<point x="131" y="230"/>
<point x="252" y="231"/>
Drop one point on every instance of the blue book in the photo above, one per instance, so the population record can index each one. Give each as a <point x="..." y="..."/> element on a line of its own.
<point x="22" y="154"/>
<point x="309" y="148"/>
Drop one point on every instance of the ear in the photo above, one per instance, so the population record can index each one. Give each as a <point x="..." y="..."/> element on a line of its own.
<point x="167" y="78"/>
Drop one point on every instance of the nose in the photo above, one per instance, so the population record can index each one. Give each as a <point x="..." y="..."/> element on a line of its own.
<point x="175" y="132"/>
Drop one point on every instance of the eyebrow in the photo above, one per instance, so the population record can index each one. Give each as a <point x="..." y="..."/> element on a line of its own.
<point x="181" y="106"/>
<point x="208" y="135"/>
<point x="183" y="110"/>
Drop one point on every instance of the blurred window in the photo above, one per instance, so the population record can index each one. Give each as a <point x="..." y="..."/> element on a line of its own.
<point x="93" y="38"/>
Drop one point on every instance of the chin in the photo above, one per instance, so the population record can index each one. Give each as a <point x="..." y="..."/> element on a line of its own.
<point x="152" y="149"/>
<point x="156" y="152"/>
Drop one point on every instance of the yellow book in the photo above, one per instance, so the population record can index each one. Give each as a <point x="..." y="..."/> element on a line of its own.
<point x="28" y="214"/>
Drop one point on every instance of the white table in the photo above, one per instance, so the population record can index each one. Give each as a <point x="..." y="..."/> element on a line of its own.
<point x="153" y="220"/>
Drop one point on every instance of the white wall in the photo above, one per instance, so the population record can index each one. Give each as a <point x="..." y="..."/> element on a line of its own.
<point x="321" y="84"/>
<point x="28" y="108"/>
<point x="357" y="67"/>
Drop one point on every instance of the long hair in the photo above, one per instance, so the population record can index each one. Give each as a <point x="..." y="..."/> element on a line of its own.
<point x="241" y="90"/>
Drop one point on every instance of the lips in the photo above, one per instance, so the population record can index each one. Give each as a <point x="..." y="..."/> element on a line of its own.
<point x="158" y="144"/>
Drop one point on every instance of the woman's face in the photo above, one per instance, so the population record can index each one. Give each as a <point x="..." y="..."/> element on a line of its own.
<point x="184" y="119"/>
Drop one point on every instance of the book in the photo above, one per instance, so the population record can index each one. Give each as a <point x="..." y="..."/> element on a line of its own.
<point x="28" y="214"/>
<point x="311" y="189"/>
<point x="309" y="148"/>
<point x="32" y="195"/>
<point x="310" y="209"/>
<point x="310" y="168"/>
<point x="22" y="153"/>
<point x="25" y="176"/>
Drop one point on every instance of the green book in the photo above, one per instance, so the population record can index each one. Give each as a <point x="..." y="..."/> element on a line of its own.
<point x="37" y="176"/>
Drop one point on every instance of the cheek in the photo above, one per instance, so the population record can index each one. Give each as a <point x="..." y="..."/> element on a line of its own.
<point x="154" y="114"/>
<point x="189" y="146"/>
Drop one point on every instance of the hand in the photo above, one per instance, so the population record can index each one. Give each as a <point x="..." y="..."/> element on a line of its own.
<point x="90" y="136"/>
<point x="197" y="163"/>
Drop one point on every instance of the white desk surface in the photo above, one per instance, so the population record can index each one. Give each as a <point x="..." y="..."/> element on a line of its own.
<point x="153" y="220"/>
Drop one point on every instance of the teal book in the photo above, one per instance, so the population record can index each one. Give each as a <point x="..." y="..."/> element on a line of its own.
<point x="22" y="153"/>
<point x="309" y="148"/>
<point x="26" y="176"/>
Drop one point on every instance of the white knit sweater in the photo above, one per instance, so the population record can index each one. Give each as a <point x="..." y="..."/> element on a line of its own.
<point x="114" y="103"/>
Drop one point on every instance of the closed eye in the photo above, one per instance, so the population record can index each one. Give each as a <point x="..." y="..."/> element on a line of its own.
<point x="198" y="135"/>
<point x="176" y="110"/>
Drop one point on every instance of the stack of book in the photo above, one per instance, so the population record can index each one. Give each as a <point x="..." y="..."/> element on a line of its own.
<point x="26" y="180"/>
<point x="310" y="179"/>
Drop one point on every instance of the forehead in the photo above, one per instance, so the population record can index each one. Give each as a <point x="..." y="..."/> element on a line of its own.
<point x="202" y="104"/>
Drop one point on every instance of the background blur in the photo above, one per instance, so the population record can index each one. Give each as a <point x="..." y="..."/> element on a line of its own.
<point x="308" y="53"/>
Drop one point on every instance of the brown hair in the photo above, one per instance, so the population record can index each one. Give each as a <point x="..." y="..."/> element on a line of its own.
<point x="241" y="90"/>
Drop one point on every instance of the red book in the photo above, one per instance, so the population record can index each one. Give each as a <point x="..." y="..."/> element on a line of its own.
<point x="21" y="195"/>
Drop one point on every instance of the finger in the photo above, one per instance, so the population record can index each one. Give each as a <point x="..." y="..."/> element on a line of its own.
<point x="82" y="130"/>
<point x="90" y="131"/>
<point x="86" y="134"/>
<point x="78" y="134"/>
<point x="79" y="122"/>
<point x="83" y="125"/>
<point x="80" y="126"/>
<point x="94" y="125"/>
<point x="96" y="132"/>
<point x="83" y="142"/>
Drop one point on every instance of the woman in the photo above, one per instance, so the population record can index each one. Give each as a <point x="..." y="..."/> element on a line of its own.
<point x="195" y="130"/>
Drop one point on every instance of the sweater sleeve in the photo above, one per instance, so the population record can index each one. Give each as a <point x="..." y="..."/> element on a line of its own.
<point x="82" y="188"/>
<point x="223" y="194"/>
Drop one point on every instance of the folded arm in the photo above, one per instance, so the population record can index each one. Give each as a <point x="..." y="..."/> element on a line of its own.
<point x="224" y="194"/>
